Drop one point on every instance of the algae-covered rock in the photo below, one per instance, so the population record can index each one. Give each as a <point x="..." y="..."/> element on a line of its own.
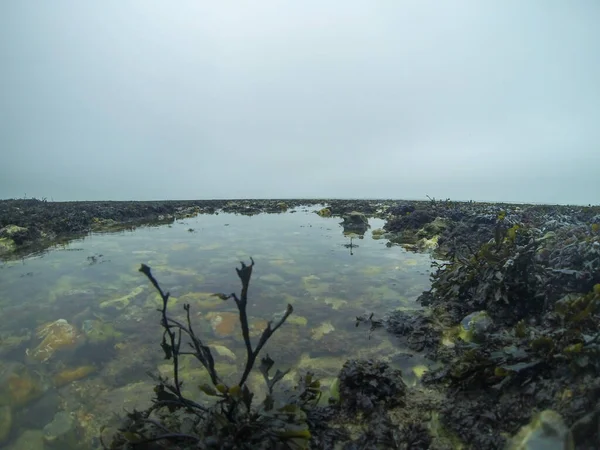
<point x="56" y="336"/>
<point x="7" y="246"/>
<point x="335" y="303"/>
<point x="97" y="331"/>
<point x="435" y="228"/>
<point x="324" y="212"/>
<point x="124" y="301"/>
<point x="67" y="376"/>
<point x="320" y="331"/>
<point x="297" y="320"/>
<point x="5" y="422"/>
<point x="14" y="233"/>
<point x="475" y="327"/>
<point x="546" y="431"/>
<point x="355" y="222"/>
<point x="378" y="233"/>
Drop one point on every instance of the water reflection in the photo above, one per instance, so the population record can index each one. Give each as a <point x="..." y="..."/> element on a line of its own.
<point x="80" y="326"/>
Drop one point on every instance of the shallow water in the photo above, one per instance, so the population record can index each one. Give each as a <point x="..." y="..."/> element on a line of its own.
<point x="94" y="285"/>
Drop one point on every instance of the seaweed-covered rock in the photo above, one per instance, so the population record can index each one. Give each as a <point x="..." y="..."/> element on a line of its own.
<point x="355" y="222"/>
<point x="546" y="431"/>
<point x="434" y="228"/>
<point x="417" y="327"/>
<point x="16" y="233"/>
<point x="412" y="221"/>
<point x="401" y="209"/>
<point x="367" y="384"/>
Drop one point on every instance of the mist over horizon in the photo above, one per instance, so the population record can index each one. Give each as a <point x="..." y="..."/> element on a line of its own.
<point x="485" y="101"/>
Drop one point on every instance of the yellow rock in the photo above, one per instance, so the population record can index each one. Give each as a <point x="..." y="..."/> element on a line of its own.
<point x="123" y="302"/>
<point x="335" y="303"/>
<point x="19" y="387"/>
<point x="69" y="375"/>
<point x="322" y="330"/>
<point x="58" y="335"/>
<point x="297" y="320"/>
<point x="419" y="371"/>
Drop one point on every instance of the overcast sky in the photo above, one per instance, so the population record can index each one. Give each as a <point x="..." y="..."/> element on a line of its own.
<point x="482" y="100"/>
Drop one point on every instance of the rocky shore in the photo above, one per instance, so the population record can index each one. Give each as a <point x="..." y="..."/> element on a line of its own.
<point x="511" y="323"/>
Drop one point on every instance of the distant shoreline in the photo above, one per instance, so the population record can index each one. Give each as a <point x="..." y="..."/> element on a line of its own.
<point x="28" y="225"/>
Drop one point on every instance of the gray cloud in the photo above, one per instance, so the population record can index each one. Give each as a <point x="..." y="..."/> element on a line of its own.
<point x="162" y="100"/>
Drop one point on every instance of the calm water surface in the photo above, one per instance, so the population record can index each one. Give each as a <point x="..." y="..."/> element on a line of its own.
<point x="93" y="361"/>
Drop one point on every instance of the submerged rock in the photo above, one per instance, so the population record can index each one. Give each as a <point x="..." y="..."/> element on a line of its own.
<point x="547" y="431"/>
<point x="56" y="336"/>
<point x="18" y="385"/>
<point x="5" y="422"/>
<point x="61" y="432"/>
<point x="320" y="331"/>
<point x="67" y="376"/>
<point x="123" y="302"/>
<point x="29" y="440"/>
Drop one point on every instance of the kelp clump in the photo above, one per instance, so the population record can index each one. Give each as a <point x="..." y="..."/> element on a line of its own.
<point x="518" y="274"/>
<point x="222" y="416"/>
<point x="539" y="291"/>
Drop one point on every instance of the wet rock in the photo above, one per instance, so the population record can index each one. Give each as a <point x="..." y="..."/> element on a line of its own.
<point x="5" y="422"/>
<point x="476" y="326"/>
<point x="324" y="212"/>
<point x="29" y="440"/>
<point x="366" y="384"/>
<point x="56" y="336"/>
<point x="547" y="431"/>
<point x="62" y="432"/>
